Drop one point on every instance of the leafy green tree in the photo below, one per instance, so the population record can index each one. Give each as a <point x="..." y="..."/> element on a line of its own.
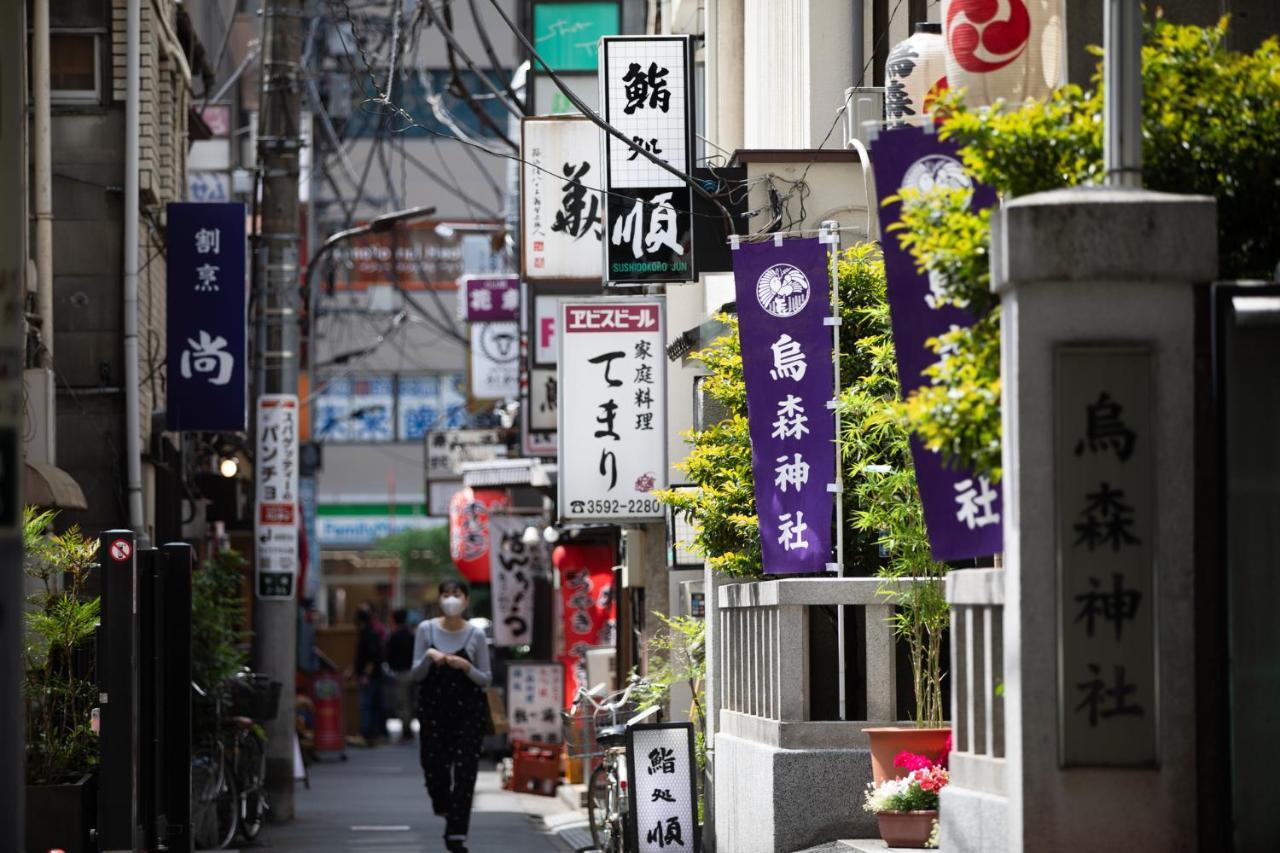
<point x="1211" y="118"/>
<point x="217" y="620"/>
<point x="422" y="552"/>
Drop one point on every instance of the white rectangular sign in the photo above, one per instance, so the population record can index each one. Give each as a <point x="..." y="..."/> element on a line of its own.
<point x="664" y="790"/>
<point x="448" y="449"/>
<point x="495" y="360"/>
<point x="644" y="88"/>
<point x="561" y="220"/>
<point x="535" y="691"/>
<point x="612" y="410"/>
<point x="512" y="565"/>
<point x="276" y="505"/>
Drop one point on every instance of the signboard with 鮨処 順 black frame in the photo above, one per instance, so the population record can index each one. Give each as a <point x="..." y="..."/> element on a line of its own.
<point x="663" y="780"/>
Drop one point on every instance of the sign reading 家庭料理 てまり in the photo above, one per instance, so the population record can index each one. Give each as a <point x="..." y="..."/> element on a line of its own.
<point x="276" y="505"/>
<point x="783" y="301"/>
<point x="662" y="778"/>
<point x="535" y="690"/>
<point x="1104" y="460"/>
<point x="206" y="318"/>
<point x="613" y="446"/>
<point x="646" y="94"/>
<point x="561" y="219"/>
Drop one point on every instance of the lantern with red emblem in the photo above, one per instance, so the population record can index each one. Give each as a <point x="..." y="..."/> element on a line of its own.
<point x="914" y="76"/>
<point x="1003" y="49"/>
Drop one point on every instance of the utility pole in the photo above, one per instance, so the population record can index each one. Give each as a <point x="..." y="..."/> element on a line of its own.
<point x="277" y="335"/>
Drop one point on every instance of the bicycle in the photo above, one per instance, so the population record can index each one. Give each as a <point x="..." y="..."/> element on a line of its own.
<point x="228" y="770"/>
<point x="593" y="730"/>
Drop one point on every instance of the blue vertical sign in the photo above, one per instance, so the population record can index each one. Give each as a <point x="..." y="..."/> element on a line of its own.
<point x="206" y="316"/>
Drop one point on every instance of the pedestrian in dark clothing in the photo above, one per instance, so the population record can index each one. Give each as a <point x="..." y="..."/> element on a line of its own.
<point x="451" y="662"/>
<point x="399" y="656"/>
<point x="368" y="671"/>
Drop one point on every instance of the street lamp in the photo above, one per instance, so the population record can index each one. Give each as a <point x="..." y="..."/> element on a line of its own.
<point x="378" y="225"/>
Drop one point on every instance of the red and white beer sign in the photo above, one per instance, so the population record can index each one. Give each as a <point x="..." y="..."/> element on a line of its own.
<point x="276" y="506"/>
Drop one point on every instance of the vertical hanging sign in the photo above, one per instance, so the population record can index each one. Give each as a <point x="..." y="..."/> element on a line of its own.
<point x="613" y="448"/>
<point x="561" y="224"/>
<point x="205" y="318"/>
<point x="512" y="566"/>
<point x="276" y="472"/>
<point x="646" y="91"/>
<point x="961" y="510"/>
<point x="783" y="302"/>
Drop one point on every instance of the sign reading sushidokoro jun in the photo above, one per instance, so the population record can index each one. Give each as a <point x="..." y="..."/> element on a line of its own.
<point x="612" y="386"/>
<point x="783" y="301"/>
<point x="562" y="209"/>
<point x="1104" y="460"/>
<point x="646" y="93"/>
<point x="447" y="450"/>
<point x="276" y="505"/>
<point x="664" y="788"/>
<point x="205" y="318"/>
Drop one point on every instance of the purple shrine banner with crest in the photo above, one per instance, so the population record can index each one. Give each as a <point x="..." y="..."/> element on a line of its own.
<point x="962" y="512"/>
<point x="783" y="299"/>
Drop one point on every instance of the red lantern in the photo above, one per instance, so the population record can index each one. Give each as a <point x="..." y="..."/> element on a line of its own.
<point x="469" y="511"/>
<point x="1003" y="49"/>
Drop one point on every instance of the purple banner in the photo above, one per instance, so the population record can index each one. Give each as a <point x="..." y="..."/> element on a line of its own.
<point x="961" y="512"/>
<point x="783" y="298"/>
<point x="491" y="299"/>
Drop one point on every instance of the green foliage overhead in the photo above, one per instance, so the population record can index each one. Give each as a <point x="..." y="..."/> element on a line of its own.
<point x="1211" y="121"/>
<point x="59" y="687"/>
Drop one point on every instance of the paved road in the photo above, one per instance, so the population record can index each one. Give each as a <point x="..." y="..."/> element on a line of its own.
<point x="376" y="803"/>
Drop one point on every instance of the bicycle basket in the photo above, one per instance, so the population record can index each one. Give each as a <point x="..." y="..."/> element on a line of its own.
<point x="255" y="696"/>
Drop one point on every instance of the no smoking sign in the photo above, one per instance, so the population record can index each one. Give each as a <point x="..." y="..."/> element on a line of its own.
<point x="120" y="550"/>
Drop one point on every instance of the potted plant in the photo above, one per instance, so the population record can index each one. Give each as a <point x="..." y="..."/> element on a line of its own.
<point x="907" y="808"/>
<point x="876" y="446"/>
<point x="59" y="687"/>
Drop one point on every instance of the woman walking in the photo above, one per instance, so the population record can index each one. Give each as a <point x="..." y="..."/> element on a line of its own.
<point x="451" y="661"/>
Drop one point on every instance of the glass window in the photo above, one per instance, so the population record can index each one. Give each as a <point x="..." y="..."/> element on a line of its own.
<point x="73" y="65"/>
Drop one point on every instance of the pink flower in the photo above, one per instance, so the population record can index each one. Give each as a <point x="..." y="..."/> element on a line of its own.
<point x="944" y="758"/>
<point x="911" y="761"/>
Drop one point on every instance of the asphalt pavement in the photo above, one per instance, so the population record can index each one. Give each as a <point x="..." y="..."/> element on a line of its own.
<point x="375" y="802"/>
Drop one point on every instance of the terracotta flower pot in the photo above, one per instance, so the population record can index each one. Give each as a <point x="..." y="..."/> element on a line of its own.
<point x="888" y="741"/>
<point x="906" y="829"/>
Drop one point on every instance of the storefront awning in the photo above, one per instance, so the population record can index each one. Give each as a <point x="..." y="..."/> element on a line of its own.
<point x="499" y="473"/>
<point x="50" y="487"/>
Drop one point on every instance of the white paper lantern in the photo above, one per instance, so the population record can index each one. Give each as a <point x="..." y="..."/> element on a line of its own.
<point x="1010" y="49"/>
<point x="914" y="75"/>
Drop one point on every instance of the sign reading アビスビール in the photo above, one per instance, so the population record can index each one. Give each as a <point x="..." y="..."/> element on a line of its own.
<point x="646" y="93"/>
<point x="276" y="475"/>
<point x="613" y="445"/>
<point x="205" y="319"/>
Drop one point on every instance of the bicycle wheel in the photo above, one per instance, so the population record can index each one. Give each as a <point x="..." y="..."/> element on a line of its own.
<point x="604" y="825"/>
<point x="251" y="767"/>
<point x="215" y="806"/>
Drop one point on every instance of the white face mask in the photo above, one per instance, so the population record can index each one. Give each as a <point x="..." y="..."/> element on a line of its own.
<point x="452" y="605"/>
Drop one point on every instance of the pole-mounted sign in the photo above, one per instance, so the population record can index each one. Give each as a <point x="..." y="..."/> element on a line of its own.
<point x="276" y="512"/>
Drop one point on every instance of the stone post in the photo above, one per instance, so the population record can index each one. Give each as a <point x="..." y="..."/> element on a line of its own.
<point x="1096" y="289"/>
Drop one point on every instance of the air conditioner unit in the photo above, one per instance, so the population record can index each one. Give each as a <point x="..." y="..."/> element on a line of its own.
<point x="864" y="105"/>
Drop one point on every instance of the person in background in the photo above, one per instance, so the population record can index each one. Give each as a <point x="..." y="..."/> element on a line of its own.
<point x="451" y="663"/>
<point x="368" y="672"/>
<point x="399" y="657"/>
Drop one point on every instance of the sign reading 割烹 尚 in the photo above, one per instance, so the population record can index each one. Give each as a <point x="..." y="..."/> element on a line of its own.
<point x="783" y="302"/>
<point x="646" y="93"/>
<point x="205" y="320"/>
<point x="561" y="206"/>
<point x="664" y="789"/>
<point x="613" y="445"/>
<point x="276" y="475"/>
<point x="1104" y="458"/>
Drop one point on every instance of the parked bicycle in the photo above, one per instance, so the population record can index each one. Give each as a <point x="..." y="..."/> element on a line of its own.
<point x="596" y="728"/>
<point x="228" y="768"/>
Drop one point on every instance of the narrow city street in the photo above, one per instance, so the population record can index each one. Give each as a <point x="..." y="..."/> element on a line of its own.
<point x="375" y="801"/>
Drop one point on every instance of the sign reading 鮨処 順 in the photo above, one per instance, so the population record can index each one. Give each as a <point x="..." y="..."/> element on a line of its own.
<point x="612" y="387"/>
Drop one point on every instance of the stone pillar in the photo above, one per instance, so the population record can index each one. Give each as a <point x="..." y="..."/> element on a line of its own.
<point x="1109" y="273"/>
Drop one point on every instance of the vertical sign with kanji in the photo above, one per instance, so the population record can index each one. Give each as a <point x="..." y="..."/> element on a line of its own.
<point x="276" y="516"/>
<point x="205" y="317"/>
<point x="664" y="788"/>
<point x="562" y="209"/>
<point x="1104" y="458"/>
<point x="646" y="93"/>
<point x="534" y="691"/>
<point x="613" y="438"/>
<point x="513" y="565"/>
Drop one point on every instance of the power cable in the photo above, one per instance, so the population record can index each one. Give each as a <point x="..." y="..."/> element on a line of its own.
<point x="487" y="44"/>
<point x="444" y="22"/>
